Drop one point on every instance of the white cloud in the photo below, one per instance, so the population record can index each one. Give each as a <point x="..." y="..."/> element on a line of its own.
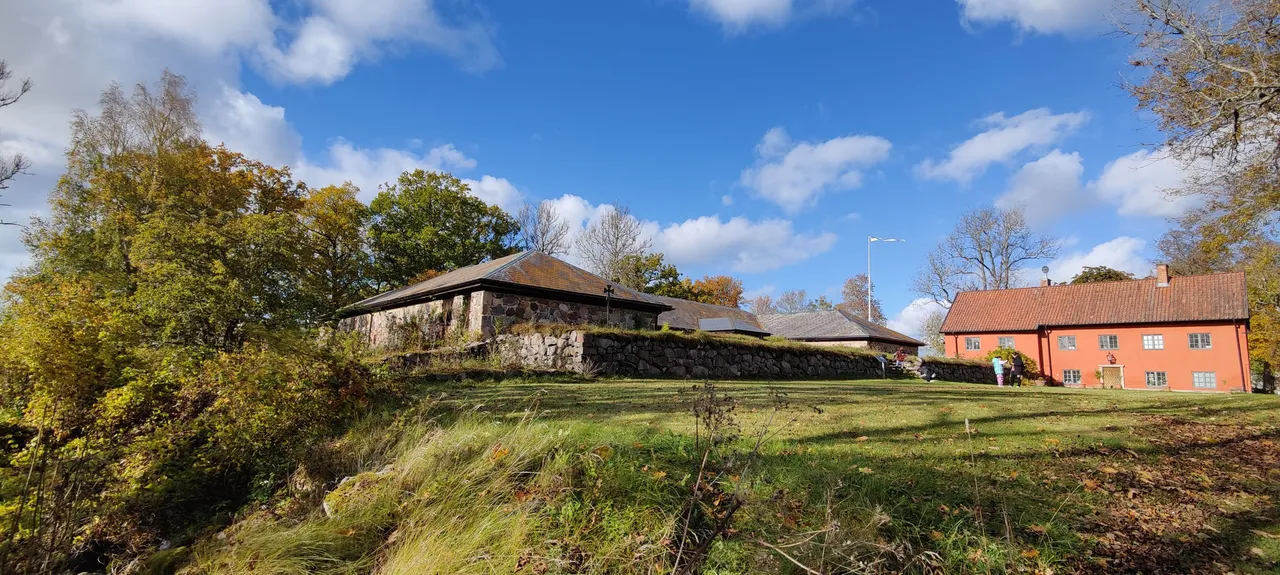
<point x="1004" y="139"/>
<point x="726" y="200"/>
<point x="1123" y="253"/>
<point x="213" y="27"/>
<point x="793" y="174"/>
<point x="1043" y="16"/>
<point x="738" y="16"/>
<point x="73" y="49"/>
<point x="909" y="320"/>
<point x="737" y="244"/>
<point x="1047" y="188"/>
<point x="1137" y="184"/>
<point x="746" y="246"/>
<point x="338" y="34"/>
<point x="496" y="191"/>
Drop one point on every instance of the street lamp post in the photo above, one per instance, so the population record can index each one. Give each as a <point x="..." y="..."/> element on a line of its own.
<point x="869" y="240"/>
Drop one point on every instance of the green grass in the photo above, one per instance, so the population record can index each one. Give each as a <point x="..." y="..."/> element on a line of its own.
<point x="867" y="476"/>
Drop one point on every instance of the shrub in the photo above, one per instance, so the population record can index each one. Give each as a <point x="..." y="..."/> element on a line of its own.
<point x="1030" y="369"/>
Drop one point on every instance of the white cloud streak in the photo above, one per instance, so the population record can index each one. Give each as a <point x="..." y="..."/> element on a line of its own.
<point x="739" y="16"/>
<point x="1003" y="140"/>
<point x="1040" y="16"/>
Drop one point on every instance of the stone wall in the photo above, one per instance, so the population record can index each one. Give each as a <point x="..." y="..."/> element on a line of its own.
<point x="502" y="311"/>
<point x="674" y="356"/>
<point x="953" y="370"/>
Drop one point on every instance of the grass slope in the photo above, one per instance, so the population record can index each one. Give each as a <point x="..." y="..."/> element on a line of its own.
<point x="858" y="477"/>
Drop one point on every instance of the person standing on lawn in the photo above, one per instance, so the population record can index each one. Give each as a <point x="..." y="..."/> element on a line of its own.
<point x="998" y="365"/>
<point x="1018" y="367"/>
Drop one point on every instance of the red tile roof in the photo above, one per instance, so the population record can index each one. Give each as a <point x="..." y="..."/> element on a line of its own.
<point x="1218" y="297"/>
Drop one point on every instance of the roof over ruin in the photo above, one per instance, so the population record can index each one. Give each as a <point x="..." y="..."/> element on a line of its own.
<point x="528" y="272"/>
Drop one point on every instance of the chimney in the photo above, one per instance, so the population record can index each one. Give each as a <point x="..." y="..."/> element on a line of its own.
<point x="1162" y="275"/>
<point x="1046" y="282"/>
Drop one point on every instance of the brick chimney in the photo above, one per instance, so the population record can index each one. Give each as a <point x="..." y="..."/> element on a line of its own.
<point x="1046" y="282"/>
<point x="1162" y="275"/>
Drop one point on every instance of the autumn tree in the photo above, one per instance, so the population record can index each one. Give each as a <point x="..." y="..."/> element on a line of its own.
<point x="762" y="305"/>
<point x="610" y="239"/>
<point x="854" y="302"/>
<point x="336" y="264"/>
<point x="649" y="273"/>
<point x="1211" y="78"/>
<point x="1094" y="274"/>
<point x="160" y="336"/>
<point x="430" y="221"/>
<point x="15" y="164"/>
<point x="718" y="290"/>
<point x="985" y="250"/>
<point x="542" y="229"/>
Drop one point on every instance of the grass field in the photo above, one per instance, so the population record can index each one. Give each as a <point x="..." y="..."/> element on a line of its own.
<point x="865" y="476"/>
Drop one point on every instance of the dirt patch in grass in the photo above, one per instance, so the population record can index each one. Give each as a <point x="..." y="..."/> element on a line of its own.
<point x="1191" y="504"/>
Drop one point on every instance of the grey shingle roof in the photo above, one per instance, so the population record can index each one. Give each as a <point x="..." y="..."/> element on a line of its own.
<point x="685" y="314"/>
<point x="830" y="326"/>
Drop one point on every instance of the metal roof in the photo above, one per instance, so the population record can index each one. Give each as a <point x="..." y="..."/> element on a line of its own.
<point x="729" y="324"/>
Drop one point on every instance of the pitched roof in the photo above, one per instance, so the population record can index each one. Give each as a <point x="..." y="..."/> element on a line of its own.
<point x="685" y="314"/>
<point x="525" y="270"/>
<point x="723" y="324"/>
<point x="1218" y="297"/>
<point x="831" y="326"/>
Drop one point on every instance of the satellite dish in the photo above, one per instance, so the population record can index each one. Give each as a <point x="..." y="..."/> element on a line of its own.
<point x="1045" y="270"/>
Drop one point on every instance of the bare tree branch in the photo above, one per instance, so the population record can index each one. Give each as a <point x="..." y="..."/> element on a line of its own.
<point x="984" y="251"/>
<point x="16" y="164"/>
<point x="607" y="241"/>
<point x="543" y="230"/>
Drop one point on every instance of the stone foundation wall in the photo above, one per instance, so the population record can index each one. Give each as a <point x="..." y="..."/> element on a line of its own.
<point x="486" y="313"/>
<point x="655" y="355"/>
<point x="960" y="372"/>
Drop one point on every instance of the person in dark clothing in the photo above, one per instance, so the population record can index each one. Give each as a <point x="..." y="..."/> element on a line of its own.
<point x="1018" y="366"/>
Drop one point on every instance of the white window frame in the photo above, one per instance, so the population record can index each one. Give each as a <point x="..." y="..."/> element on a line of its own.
<point x="976" y="341"/>
<point x="1198" y="379"/>
<point x="1162" y="378"/>
<point x="1070" y="338"/>
<point x="1108" y="337"/>
<point x="1067" y="376"/>
<point x="1205" y="339"/>
<point x="1000" y="342"/>
<point x="1153" y="341"/>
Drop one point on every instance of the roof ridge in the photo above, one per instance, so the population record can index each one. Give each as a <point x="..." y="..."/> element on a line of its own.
<point x="1111" y="282"/>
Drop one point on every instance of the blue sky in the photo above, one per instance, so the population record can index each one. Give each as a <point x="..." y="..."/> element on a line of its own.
<point x="761" y="138"/>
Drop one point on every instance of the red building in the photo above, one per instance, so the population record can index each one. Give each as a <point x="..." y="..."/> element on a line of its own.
<point x="1181" y="334"/>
